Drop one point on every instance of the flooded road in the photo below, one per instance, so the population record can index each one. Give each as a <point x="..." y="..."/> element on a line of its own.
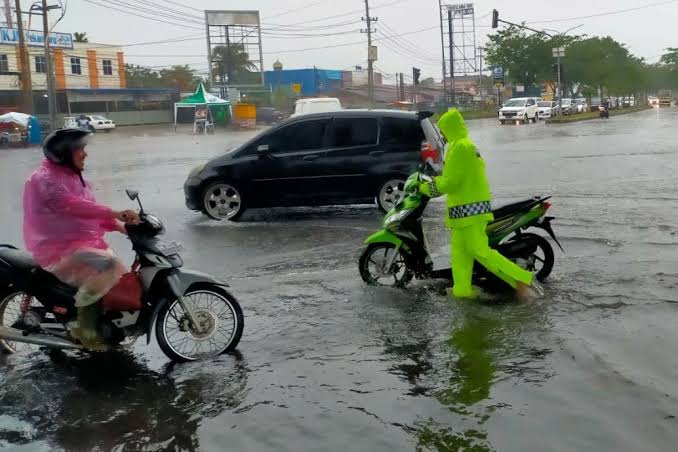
<point x="327" y="362"/>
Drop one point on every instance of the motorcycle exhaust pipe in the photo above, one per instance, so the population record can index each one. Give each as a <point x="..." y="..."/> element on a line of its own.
<point x="14" y="335"/>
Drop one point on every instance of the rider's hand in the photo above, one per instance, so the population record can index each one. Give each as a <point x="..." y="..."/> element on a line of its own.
<point x="128" y="217"/>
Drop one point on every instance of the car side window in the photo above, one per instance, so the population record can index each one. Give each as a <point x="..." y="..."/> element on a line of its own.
<point x="350" y="132"/>
<point x="401" y="132"/>
<point x="301" y="136"/>
<point x="530" y="102"/>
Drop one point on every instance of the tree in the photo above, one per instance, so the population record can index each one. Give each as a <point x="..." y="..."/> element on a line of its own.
<point x="180" y="77"/>
<point x="283" y="98"/>
<point x="80" y="37"/>
<point x="141" y="77"/>
<point x="232" y="63"/>
<point x="428" y="82"/>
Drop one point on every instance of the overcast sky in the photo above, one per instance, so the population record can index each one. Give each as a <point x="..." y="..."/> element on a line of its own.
<point x="646" y="32"/>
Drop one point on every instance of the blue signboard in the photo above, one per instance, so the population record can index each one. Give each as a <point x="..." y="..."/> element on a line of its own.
<point x="36" y="38"/>
<point x="498" y="73"/>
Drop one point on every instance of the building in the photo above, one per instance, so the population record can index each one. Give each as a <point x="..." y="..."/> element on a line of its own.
<point x="314" y="82"/>
<point x="89" y="77"/>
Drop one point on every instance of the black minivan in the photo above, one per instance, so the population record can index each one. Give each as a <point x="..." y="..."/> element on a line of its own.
<point x="340" y="157"/>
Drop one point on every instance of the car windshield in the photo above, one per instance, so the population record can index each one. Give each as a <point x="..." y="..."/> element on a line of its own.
<point x="515" y="103"/>
<point x="98" y="118"/>
<point x="566" y="101"/>
<point x="545" y="104"/>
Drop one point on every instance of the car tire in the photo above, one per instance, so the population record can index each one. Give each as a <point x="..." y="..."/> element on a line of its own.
<point x="502" y="122"/>
<point x="526" y="120"/>
<point x="390" y="192"/>
<point x="223" y="201"/>
<point x="536" y="118"/>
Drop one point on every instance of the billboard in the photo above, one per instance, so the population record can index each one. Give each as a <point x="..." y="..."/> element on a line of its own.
<point x="36" y="38"/>
<point x="234" y="48"/>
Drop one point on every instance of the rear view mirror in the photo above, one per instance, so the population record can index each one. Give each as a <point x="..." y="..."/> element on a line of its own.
<point x="133" y="195"/>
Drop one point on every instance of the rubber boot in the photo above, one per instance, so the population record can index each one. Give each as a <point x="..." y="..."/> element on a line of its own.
<point x="86" y="331"/>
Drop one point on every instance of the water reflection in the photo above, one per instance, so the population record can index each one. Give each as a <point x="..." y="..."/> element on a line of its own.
<point x="113" y="401"/>
<point x="487" y="344"/>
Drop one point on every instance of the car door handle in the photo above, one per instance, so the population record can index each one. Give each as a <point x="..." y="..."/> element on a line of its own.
<point x="377" y="153"/>
<point x="311" y="158"/>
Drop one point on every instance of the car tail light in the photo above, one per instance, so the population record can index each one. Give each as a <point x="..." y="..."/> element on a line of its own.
<point x="428" y="151"/>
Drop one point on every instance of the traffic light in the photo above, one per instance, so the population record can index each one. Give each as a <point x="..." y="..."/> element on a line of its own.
<point x="416" y="72"/>
<point x="495" y="18"/>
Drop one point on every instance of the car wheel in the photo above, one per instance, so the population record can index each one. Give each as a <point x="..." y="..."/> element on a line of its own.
<point x="222" y="201"/>
<point x="390" y="193"/>
<point x="536" y="118"/>
<point x="502" y="122"/>
<point x="525" y="119"/>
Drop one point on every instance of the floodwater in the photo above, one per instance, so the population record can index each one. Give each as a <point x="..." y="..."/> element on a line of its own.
<point x="327" y="363"/>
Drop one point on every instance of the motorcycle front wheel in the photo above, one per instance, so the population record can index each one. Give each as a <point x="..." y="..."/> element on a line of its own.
<point x="219" y="331"/>
<point x="372" y="265"/>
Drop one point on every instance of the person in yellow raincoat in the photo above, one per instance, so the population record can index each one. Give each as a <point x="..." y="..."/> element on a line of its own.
<point x="464" y="182"/>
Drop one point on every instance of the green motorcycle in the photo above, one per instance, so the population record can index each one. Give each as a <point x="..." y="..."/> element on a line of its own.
<point x="397" y="252"/>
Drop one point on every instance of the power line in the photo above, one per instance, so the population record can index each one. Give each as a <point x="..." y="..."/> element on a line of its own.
<point x="142" y="16"/>
<point x="290" y="11"/>
<point x="608" y="13"/>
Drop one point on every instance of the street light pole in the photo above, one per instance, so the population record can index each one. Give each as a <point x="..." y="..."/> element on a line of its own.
<point x="51" y="101"/>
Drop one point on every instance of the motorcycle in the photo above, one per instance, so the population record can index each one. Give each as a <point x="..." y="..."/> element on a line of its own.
<point x="603" y="112"/>
<point x="195" y="316"/>
<point x="397" y="253"/>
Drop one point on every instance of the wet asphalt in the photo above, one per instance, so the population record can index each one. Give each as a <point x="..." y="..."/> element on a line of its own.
<point x="327" y="363"/>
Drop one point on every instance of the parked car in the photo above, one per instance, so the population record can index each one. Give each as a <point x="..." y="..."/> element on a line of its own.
<point x="547" y="109"/>
<point x="595" y="103"/>
<point x="519" y="109"/>
<point x="267" y="115"/>
<point x="653" y="101"/>
<point x="566" y="106"/>
<point x="316" y="105"/>
<point x="98" y="122"/>
<point x="342" y="157"/>
<point x="581" y="105"/>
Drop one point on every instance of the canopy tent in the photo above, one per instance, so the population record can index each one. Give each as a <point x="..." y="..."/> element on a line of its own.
<point x="28" y="122"/>
<point x="217" y="106"/>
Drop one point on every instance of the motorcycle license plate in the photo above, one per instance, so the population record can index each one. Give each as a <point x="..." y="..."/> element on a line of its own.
<point x="170" y="248"/>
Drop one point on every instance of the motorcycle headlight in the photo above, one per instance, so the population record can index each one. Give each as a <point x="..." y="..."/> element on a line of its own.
<point x="397" y="217"/>
<point x="197" y="170"/>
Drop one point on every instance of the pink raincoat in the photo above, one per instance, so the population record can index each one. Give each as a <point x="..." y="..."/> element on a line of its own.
<point x="62" y="216"/>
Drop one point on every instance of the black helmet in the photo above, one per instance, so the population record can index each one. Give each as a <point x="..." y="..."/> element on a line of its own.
<point x="59" y="145"/>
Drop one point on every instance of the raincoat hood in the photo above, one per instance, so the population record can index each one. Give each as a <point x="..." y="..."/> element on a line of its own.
<point x="452" y="125"/>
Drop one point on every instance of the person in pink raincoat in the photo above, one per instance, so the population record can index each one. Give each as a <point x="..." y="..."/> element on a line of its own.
<point x="64" y="228"/>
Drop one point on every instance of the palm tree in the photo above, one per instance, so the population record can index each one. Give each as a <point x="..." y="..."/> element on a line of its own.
<point x="230" y="62"/>
<point x="80" y="37"/>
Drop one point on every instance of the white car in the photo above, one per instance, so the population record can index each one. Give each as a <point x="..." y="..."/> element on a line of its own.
<point x="519" y="109"/>
<point x="98" y="122"/>
<point x="316" y="105"/>
<point x="581" y="105"/>
<point x="653" y="101"/>
<point x="547" y="109"/>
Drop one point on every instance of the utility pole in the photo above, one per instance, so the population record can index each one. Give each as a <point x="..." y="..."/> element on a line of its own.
<point x="51" y="92"/>
<point x="480" y="72"/>
<point x="442" y="45"/>
<point x="371" y="54"/>
<point x="24" y="64"/>
<point x="402" y="87"/>
<point x="8" y="14"/>
<point x="451" y="32"/>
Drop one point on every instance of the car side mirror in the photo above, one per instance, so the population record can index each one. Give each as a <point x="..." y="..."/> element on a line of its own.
<point x="133" y="195"/>
<point x="263" y="149"/>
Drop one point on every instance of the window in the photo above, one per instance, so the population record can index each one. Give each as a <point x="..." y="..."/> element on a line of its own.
<point x="402" y="132"/>
<point x="530" y="102"/>
<point x="75" y="66"/>
<point x="4" y="64"/>
<point x="303" y="136"/>
<point x="40" y="65"/>
<point x="108" y="67"/>
<point x="349" y="132"/>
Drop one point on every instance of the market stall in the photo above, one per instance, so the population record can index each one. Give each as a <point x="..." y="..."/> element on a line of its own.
<point x="19" y="129"/>
<point x="206" y="109"/>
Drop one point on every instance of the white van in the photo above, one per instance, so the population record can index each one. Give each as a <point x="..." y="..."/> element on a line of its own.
<point x="519" y="109"/>
<point x="316" y="105"/>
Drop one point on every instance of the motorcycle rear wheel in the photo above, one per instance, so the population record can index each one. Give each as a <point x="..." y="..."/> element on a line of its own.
<point x="215" y="308"/>
<point x="10" y="313"/>
<point x="372" y="261"/>
<point x="544" y="257"/>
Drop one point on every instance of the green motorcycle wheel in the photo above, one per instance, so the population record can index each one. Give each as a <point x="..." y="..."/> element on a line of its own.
<point x="373" y="261"/>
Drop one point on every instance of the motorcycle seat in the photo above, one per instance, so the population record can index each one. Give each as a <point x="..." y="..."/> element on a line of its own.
<point x="24" y="268"/>
<point x="511" y="208"/>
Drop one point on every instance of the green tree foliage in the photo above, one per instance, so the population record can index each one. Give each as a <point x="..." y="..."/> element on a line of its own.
<point x="283" y="98"/>
<point x="180" y="77"/>
<point x="233" y="64"/>
<point x="80" y="37"/>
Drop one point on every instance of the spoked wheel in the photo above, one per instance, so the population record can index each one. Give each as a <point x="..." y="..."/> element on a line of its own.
<point x="541" y="261"/>
<point x="223" y="201"/>
<point x="13" y="306"/>
<point x="219" y="329"/>
<point x="374" y="262"/>
<point x="390" y="194"/>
